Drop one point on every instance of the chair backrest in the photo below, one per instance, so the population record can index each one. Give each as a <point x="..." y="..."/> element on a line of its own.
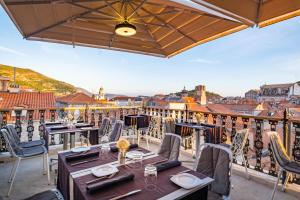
<point x="170" y="146"/>
<point x="278" y="149"/>
<point x="104" y="128"/>
<point x="239" y="142"/>
<point x="215" y="161"/>
<point x="13" y="132"/>
<point x="12" y="146"/>
<point x="169" y="125"/>
<point x="116" y="132"/>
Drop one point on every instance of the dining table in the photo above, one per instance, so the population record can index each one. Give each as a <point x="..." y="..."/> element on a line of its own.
<point x="211" y="133"/>
<point x="69" y="131"/>
<point x="74" y="178"/>
<point x="137" y="123"/>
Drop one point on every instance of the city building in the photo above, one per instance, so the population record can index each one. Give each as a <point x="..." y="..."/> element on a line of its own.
<point x="252" y="94"/>
<point x="279" y="92"/>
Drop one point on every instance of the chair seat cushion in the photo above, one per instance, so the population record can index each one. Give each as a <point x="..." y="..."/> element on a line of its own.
<point x="47" y="195"/>
<point x="32" y="151"/>
<point x="32" y="143"/>
<point x="293" y="167"/>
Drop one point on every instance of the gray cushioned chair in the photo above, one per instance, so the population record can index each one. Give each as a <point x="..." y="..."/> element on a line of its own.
<point x="170" y="146"/>
<point x="11" y="129"/>
<point x="47" y="195"/>
<point x="20" y="153"/>
<point x="215" y="161"/>
<point x="104" y="128"/>
<point x="115" y="134"/>
<point x="283" y="160"/>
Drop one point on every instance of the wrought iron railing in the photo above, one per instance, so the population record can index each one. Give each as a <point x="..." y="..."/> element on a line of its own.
<point x="258" y="154"/>
<point x="30" y="122"/>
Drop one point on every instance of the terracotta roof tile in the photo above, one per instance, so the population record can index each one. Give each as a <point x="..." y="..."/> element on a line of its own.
<point x="77" y="98"/>
<point x="29" y="100"/>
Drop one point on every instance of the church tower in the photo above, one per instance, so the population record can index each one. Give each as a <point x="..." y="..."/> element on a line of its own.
<point x="101" y="94"/>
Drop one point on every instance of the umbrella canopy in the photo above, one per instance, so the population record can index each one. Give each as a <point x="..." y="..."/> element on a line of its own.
<point x="255" y="12"/>
<point x="154" y="27"/>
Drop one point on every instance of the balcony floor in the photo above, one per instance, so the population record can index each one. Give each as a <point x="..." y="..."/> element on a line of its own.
<point x="29" y="181"/>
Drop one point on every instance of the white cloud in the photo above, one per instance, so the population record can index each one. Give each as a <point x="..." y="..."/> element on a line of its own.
<point x="12" y="51"/>
<point x="204" y="61"/>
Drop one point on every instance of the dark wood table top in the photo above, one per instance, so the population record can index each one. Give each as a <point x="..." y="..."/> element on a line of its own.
<point x="165" y="188"/>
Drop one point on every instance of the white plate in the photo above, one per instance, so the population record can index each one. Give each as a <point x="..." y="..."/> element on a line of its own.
<point x="131" y="154"/>
<point x="104" y="170"/>
<point x="80" y="149"/>
<point x="186" y="181"/>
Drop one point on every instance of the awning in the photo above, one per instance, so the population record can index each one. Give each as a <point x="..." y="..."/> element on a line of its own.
<point x="255" y="12"/>
<point x="163" y="27"/>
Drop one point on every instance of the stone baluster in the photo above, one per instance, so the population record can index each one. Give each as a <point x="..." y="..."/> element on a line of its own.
<point x="18" y="124"/>
<point x="206" y="115"/>
<point x="214" y="116"/>
<point x="4" y="114"/>
<point x="233" y="131"/>
<point x="224" y="136"/>
<point x="272" y="170"/>
<point x="93" y="117"/>
<point x="121" y="114"/>
<point x="86" y="114"/>
<point x="30" y="127"/>
<point x="52" y="119"/>
<point x="100" y="118"/>
<point x="42" y="121"/>
<point x="258" y="144"/>
<point x="246" y="148"/>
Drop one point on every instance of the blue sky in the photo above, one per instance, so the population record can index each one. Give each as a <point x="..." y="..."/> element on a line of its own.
<point x="228" y="66"/>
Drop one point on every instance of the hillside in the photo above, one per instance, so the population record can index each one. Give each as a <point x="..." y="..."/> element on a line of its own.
<point x="29" y="79"/>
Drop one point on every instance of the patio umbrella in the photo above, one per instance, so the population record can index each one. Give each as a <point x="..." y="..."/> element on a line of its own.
<point x="255" y="12"/>
<point x="153" y="27"/>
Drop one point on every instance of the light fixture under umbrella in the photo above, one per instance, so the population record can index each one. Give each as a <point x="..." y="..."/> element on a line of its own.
<point x="125" y="29"/>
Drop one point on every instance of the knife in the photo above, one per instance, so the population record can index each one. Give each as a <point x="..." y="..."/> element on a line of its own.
<point x="82" y="162"/>
<point x="126" y="195"/>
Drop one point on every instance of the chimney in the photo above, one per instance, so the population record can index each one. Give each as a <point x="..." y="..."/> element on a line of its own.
<point x="201" y="94"/>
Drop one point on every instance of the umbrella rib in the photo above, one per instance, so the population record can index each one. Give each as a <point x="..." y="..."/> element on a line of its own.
<point x="66" y="20"/>
<point x="113" y="9"/>
<point x="16" y="3"/>
<point x="169" y="25"/>
<point x="136" y="9"/>
<point x="97" y="11"/>
<point x="163" y="13"/>
<point x="151" y="35"/>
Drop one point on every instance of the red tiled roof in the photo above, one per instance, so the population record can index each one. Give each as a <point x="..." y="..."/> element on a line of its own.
<point x="29" y="100"/>
<point x="220" y="108"/>
<point x="198" y="108"/>
<point x="77" y="98"/>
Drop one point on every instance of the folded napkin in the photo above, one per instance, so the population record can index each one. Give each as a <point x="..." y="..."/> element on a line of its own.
<point x="80" y="156"/>
<point x="83" y="125"/>
<point x="52" y="123"/>
<point x="59" y="127"/>
<point x="115" y="149"/>
<point x="167" y="165"/>
<point x="92" y="188"/>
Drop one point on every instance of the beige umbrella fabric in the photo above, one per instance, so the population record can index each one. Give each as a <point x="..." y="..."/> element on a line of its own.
<point x="163" y="27"/>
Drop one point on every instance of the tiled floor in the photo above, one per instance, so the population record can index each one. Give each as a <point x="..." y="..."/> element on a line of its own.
<point x="29" y="180"/>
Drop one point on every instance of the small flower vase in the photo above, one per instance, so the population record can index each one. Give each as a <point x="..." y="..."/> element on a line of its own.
<point x="122" y="157"/>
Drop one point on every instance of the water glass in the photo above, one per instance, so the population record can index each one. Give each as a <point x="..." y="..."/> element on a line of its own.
<point x="137" y="160"/>
<point x="150" y="175"/>
<point x="104" y="152"/>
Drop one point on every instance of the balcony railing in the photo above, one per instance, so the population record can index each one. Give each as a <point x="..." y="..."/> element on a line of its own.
<point x="258" y="154"/>
<point x="30" y="122"/>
